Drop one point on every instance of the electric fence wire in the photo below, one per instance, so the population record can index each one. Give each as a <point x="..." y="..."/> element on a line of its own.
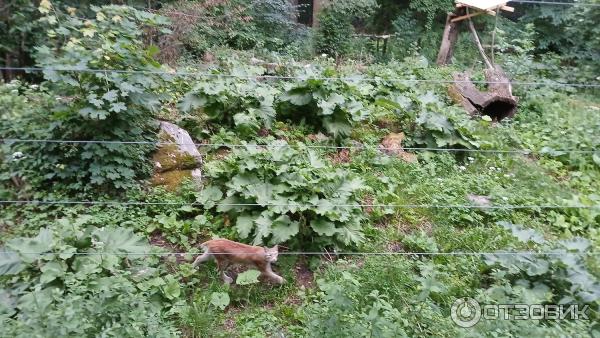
<point x="319" y="253"/>
<point x="299" y="205"/>
<point x="227" y="15"/>
<point x="10" y="141"/>
<point x="548" y="83"/>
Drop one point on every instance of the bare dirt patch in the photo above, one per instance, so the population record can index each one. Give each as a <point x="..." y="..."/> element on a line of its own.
<point x="342" y="156"/>
<point x="304" y="277"/>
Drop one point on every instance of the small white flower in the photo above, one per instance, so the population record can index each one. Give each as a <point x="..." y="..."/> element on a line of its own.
<point x="492" y="168"/>
<point x="470" y="159"/>
<point x="462" y="167"/>
<point x="505" y="198"/>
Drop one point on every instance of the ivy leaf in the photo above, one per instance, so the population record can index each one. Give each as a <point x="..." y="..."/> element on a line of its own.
<point x="247" y="277"/>
<point x="284" y="228"/>
<point x="10" y="263"/>
<point x="117" y="107"/>
<point x="220" y="299"/>
<point x="110" y="95"/>
<point x="95" y="114"/>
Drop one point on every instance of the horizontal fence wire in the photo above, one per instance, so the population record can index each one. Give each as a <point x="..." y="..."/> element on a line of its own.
<point x="310" y="146"/>
<point x="167" y="12"/>
<point x="549" y="82"/>
<point x="316" y="253"/>
<point x="395" y="206"/>
<point x="558" y="3"/>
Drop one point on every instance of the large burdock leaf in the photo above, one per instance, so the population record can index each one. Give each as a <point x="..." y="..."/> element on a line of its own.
<point x="120" y="240"/>
<point x="52" y="270"/>
<point x="323" y="227"/>
<point x="244" y="225"/>
<point x="284" y="228"/>
<point x="172" y="289"/>
<point x="191" y="101"/>
<point x="31" y="248"/>
<point x="10" y="263"/>
<point x="247" y="277"/>
<point x="219" y="299"/>
<point x="263" y="227"/>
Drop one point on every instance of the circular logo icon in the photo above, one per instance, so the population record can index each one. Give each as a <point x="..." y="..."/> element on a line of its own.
<point x="465" y="312"/>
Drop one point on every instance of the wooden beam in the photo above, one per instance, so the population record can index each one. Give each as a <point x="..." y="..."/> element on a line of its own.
<point x="466" y="16"/>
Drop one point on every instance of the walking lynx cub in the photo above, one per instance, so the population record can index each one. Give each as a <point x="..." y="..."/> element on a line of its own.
<point x="227" y="252"/>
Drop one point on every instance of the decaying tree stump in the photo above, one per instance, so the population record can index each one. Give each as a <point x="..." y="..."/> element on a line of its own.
<point x="497" y="102"/>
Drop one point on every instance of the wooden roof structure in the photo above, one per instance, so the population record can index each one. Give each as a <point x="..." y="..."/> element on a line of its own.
<point x="481" y="7"/>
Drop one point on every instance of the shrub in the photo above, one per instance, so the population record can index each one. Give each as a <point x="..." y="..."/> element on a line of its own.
<point x="59" y="284"/>
<point x="298" y="196"/>
<point x="94" y="105"/>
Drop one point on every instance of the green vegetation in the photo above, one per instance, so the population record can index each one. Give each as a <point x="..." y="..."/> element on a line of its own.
<point x="299" y="149"/>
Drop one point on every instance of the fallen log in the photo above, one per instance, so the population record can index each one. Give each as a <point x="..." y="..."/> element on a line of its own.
<point x="497" y="102"/>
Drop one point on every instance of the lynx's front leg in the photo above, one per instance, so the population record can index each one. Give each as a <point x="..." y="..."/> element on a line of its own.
<point x="222" y="266"/>
<point x="269" y="273"/>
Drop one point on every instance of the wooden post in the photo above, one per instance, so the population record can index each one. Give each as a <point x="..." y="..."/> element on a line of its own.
<point x="448" y="40"/>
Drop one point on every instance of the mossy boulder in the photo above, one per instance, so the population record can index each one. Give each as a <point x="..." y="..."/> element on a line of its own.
<point x="177" y="158"/>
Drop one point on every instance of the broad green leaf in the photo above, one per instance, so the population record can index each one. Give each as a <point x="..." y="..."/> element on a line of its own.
<point x="52" y="270"/>
<point x="297" y="97"/>
<point x="10" y="263"/>
<point x="121" y="240"/>
<point x="284" y="228"/>
<point x="263" y="193"/>
<point x="247" y="277"/>
<point x="576" y="244"/>
<point x="263" y="227"/>
<point x="323" y="227"/>
<point x="37" y="300"/>
<point x="244" y="225"/>
<point x="328" y="106"/>
<point x="172" y="289"/>
<point x="209" y="195"/>
<point x="219" y="299"/>
<point x="31" y="248"/>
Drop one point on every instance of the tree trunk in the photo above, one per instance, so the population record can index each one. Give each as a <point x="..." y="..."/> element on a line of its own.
<point x="448" y="40"/>
<point x="497" y="102"/>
